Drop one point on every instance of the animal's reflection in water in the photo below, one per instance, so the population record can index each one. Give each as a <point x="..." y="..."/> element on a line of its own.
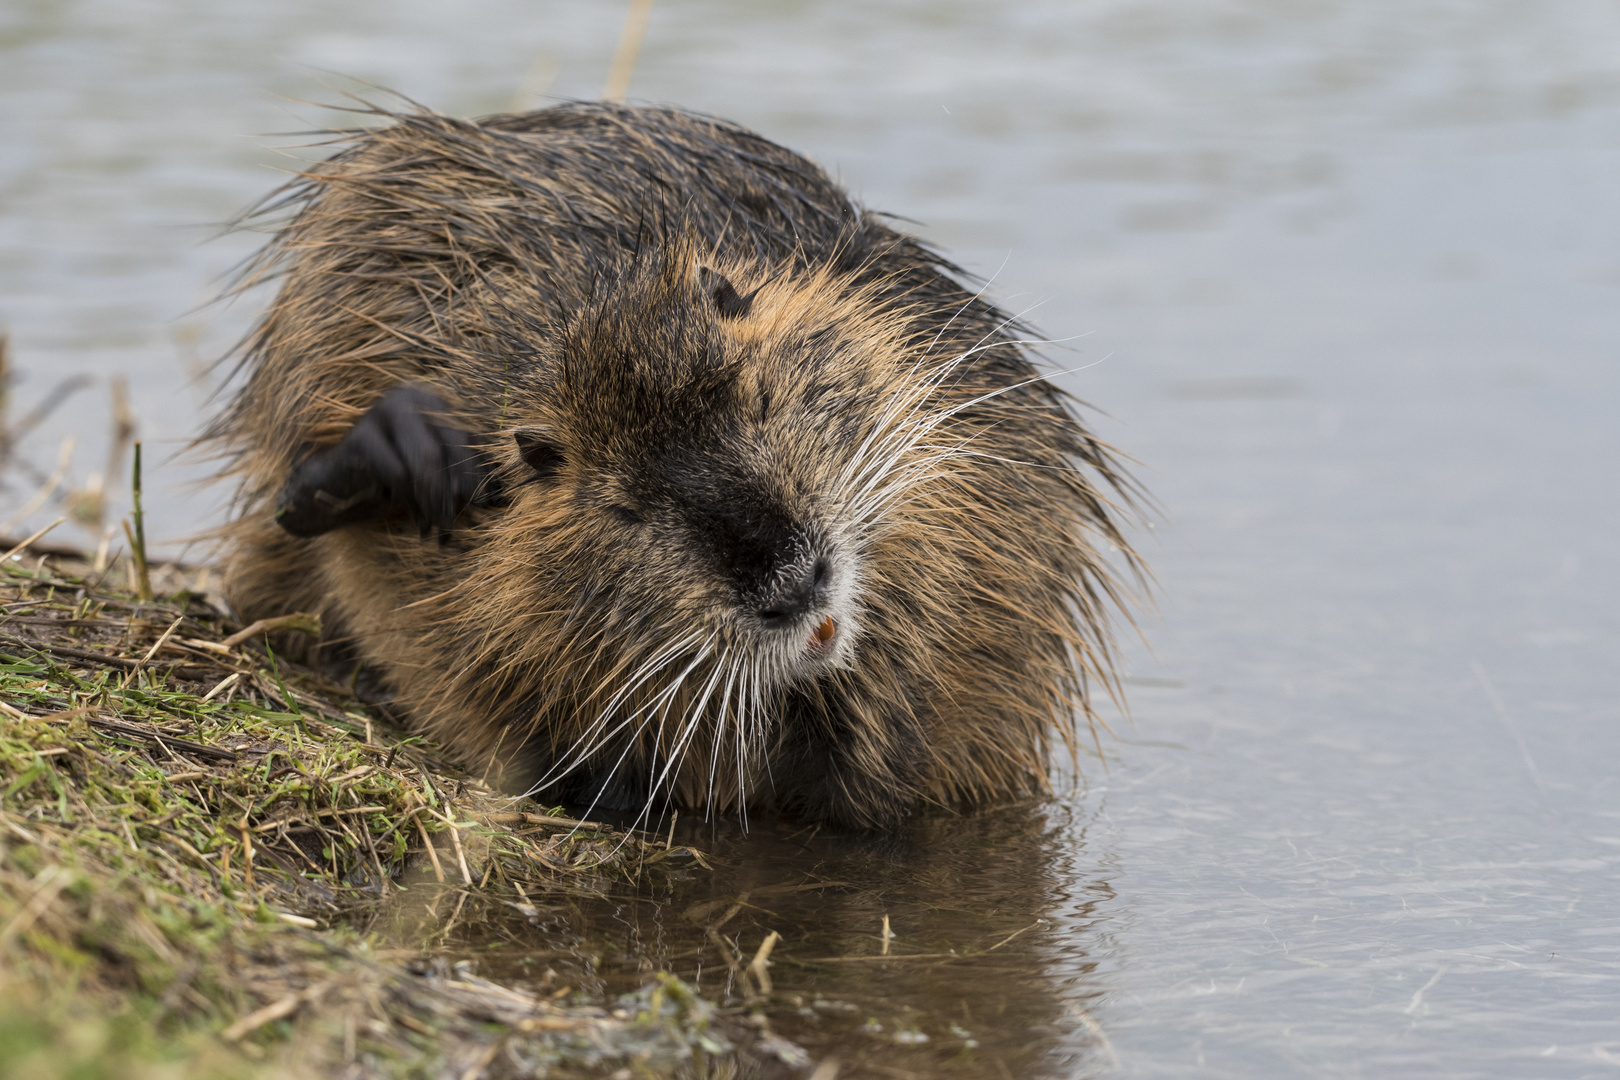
<point x="978" y="907"/>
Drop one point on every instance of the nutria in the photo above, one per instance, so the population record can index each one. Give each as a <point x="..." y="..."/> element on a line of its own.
<point x="635" y="459"/>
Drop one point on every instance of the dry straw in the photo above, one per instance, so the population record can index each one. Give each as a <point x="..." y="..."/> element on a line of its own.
<point x="196" y="835"/>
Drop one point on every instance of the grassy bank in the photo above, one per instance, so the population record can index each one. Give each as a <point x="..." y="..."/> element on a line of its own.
<point x="216" y="863"/>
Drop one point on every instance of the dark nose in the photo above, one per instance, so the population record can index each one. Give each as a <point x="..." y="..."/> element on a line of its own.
<point x="797" y="595"/>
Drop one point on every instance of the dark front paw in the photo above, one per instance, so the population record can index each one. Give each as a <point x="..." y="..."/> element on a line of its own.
<point x="400" y="459"/>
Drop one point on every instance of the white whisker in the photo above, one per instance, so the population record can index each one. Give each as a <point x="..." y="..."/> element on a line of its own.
<point x="597" y="735"/>
<point x="661" y="702"/>
<point x="694" y="716"/>
<point x="726" y="708"/>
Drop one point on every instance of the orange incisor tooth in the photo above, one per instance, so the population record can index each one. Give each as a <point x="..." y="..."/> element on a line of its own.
<point x="825" y="632"/>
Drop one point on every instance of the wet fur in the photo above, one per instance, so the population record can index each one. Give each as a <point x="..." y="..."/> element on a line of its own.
<point x="553" y="276"/>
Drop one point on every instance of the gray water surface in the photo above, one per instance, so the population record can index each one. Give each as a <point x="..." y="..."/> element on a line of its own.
<point x="1343" y="277"/>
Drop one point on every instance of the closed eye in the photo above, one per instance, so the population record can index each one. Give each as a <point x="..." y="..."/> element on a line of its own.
<point x="541" y="455"/>
<point x="625" y="514"/>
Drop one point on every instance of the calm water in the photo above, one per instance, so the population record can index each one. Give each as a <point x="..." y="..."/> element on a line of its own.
<point x="1344" y="277"/>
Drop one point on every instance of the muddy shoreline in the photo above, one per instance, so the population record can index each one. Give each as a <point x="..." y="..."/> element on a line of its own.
<point x="215" y="860"/>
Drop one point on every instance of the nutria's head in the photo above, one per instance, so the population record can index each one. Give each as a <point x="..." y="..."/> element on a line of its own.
<point x="698" y="470"/>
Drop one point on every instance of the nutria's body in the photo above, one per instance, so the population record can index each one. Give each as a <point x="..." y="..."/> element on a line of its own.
<point x="635" y="459"/>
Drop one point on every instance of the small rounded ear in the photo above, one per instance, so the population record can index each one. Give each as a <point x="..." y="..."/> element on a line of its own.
<point x="538" y="452"/>
<point x="727" y="301"/>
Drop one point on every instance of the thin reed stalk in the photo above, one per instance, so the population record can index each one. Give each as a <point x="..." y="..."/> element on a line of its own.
<point x="137" y="540"/>
<point x="624" y="59"/>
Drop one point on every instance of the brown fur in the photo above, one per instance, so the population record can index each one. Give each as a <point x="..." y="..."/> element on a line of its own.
<point x="545" y="273"/>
